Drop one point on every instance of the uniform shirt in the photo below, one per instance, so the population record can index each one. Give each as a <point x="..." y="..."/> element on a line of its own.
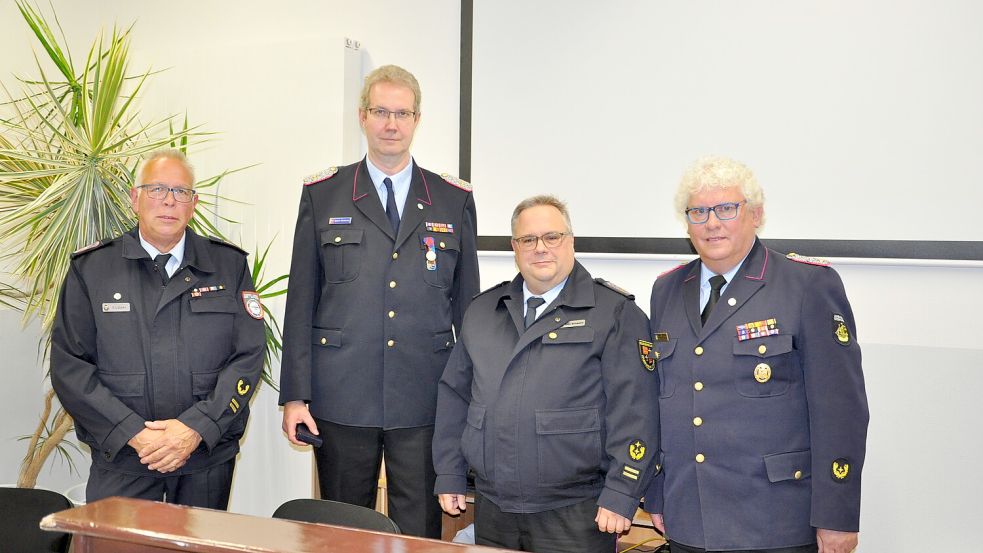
<point x="763" y="408"/>
<point x="401" y="184"/>
<point x="705" y="276"/>
<point x="177" y="254"/>
<point x="554" y="414"/>
<point x="126" y="350"/>
<point x="548" y="297"/>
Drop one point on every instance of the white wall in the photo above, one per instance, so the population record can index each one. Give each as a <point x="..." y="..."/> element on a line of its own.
<point x="263" y="77"/>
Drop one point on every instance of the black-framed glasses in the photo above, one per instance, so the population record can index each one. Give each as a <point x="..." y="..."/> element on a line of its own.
<point x="159" y="192"/>
<point x="550" y="240"/>
<point x="382" y="114"/>
<point x="724" y="212"/>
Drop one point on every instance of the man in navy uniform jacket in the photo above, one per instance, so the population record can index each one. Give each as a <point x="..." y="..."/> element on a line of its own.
<point x="549" y="399"/>
<point x="764" y="412"/>
<point x="384" y="265"/>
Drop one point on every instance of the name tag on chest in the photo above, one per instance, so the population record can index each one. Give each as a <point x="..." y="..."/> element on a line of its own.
<point x="115" y="307"/>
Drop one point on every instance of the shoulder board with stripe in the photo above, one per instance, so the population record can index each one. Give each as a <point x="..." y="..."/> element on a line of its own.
<point x="496" y="287"/>
<point x="818" y="261"/>
<point x="673" y="270"/>
<point x="320" y="176"/>
<point x="218" y="240"/>
<point x="615" y="287"/>
<point x="454" y="181"/>
<point x="90" y="248"/>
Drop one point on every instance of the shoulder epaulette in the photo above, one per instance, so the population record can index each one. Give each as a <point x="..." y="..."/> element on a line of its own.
<point x="454" y="181"/>
<point x="320" y="176"/>
<point x="495" y="287"/>
<point x="674" y="269"/>
<point x="818" y="261"/>
<point x="218" y="240"/>
<point x="615" y="287"/>
<point x="90" y="248"/>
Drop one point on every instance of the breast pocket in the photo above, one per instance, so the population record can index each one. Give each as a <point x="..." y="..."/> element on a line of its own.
<point x="212" y="322"/>
<point x="765" y="367"/>
<point x="342" y="254"/>
<point x="446" y="248"/>
<point x="569" y="442"/>
<point x="662" y="352"/>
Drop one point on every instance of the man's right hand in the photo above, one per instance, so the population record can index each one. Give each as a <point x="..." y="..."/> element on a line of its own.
<point x="452" y="503"/>
<point x="294" y="413"/>
<point x="658" y="522"/>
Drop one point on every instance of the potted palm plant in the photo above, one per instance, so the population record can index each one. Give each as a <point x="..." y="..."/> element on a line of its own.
<point x="70" y="142"/>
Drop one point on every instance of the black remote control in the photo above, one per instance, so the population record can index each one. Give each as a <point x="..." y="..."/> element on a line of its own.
<point x="304" y="434"/>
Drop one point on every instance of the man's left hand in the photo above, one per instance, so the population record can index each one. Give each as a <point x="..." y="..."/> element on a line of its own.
<point x="171" y="451"/>
<point x="609" y="521"/>
<point x="834" y="541"/>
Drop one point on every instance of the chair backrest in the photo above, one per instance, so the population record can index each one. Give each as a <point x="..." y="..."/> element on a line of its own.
<point x="21" y="511"/>
<point x="336" y="513"/>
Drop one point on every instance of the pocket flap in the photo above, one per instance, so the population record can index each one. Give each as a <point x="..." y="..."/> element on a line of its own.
<point x="476" y="415"/>
<point x="765" y="347"/>
<point x="220" y="301"/>
<point x="567" y="421"/>
<point x="341" y="237"/>
<point x="572" y="335"/>
<point x="443" y="340"/>
<point x="203" y="383"/>
<point x="124" y="385"/>
<point x="326" y="337"/>
<point x="793" y="465"/>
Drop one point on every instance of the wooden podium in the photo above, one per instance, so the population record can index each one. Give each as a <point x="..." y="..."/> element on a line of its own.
<point x="120" y="525"/>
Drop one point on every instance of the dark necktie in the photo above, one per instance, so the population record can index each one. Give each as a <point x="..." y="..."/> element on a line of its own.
<point x="160" y="265"/>
<point x="391" y="211"/>
<point x="532" y="304"/>
<point x="716" y="283"/>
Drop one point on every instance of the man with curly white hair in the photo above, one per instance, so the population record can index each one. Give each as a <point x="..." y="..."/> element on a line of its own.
<point x="763" y="407"/>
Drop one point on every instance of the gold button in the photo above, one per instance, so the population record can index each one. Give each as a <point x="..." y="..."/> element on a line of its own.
<point x="552" y="335"/>
<point x="187" y="279"/>
<point x="337" y="239"/>
<point x="392" y="314"/>
<point x="324" y="341"/>
<point x="556" y="319"/>
<point x="697" y="421"/>
<point x="797" y="475"/>
<point x="697" y="386"/>
<point x="392" y="283"/>
<point x="698" y="350"/>
<point x="762" y="349"/>
<point x="700" y="458"/>
<point x="442" y="245"/>
<point x="391" y="343"/>
<point x="395" y="255"/>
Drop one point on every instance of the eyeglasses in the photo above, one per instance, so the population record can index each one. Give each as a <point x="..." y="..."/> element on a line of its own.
<point x="159" y="192"/>
<point x="382" y="114"/>
<point x="550" y="240"/>
<point x="724" y="212"/>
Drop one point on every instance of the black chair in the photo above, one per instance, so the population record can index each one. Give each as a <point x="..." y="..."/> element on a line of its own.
<point x="334" y="512"/>
<point x="21" y="511"/>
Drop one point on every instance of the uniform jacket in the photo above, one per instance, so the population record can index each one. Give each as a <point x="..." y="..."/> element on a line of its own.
<point x="368" y="325"/>
<point x="125" y="349"/>
<point x="555" y="414"/>
<point x="777" y="411"/>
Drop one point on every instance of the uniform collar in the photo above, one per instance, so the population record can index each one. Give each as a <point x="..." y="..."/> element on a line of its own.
<point x="578" y="291"/>
<point x="194" y="255"/>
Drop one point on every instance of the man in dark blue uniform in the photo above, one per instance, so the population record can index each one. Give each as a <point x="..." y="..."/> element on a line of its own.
<point x="550" y="399"/>
<point x="384" y="265"/>
<point x="157" y="346"/>
<point x="764" y="411"/>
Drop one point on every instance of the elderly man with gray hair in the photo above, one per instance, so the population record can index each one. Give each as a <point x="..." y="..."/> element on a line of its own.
<point x="764" y="411"/>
